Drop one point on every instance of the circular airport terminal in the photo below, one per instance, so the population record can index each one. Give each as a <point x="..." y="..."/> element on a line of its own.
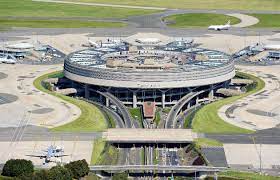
<point x="137" y="70"/>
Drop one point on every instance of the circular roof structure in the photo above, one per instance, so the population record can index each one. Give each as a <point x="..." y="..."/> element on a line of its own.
<point x="176" y="64"/>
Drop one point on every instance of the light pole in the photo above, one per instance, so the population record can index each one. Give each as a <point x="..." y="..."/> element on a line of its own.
<point x="259" y="153"/>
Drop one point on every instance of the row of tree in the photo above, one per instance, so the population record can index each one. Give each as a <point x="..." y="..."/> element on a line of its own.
<point x="24" y="170"/>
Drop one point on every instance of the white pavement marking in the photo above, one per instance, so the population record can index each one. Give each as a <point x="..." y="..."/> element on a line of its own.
<point x="83" y="150"/>
<point x="103" y="5"/>
<point x="268" y="102"/>
<point x="249" y="154"/>
<point x="20" y="83"/>
<point x="246" y="20"/>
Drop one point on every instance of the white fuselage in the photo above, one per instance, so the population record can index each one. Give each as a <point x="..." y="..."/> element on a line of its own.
<point x="219" y="27"/>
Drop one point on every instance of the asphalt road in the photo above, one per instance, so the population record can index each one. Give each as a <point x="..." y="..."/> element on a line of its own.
<point x="271" y="136"/>
<point x="34" y="133"/>
<point x="144" y="23"/>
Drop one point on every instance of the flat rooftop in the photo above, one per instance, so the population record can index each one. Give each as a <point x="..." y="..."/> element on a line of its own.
<point x="123" y="135"/>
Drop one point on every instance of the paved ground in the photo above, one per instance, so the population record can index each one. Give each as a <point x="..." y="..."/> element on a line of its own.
<point x="149" y="135"/>
<point x="215" y="155"/>
<point x="260" y="110"/>
<point x="21" y="103"/>
<point x="246" y="20"/>
<point x="75" y="149"/>
<point x="248" y="156"/>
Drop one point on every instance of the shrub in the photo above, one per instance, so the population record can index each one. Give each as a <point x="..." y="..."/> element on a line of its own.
<point x="78" y="168"/>
<point x="41" y="175"/>
<point x="120" y="176"/>
<point x="59" y="173"/>
<point x="17" y="167"/>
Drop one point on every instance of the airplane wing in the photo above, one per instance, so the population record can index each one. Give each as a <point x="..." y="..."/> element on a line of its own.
<point x="39" y="156"/>
<point x="61" y="155"/>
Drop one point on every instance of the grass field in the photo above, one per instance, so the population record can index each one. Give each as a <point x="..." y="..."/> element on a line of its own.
<point x="207" y="120"/>
<point x="98" y="147"/>
<point x="267" y="20"/>
<point x="28" y="8"/>
<point x="32" y="23"/>
<point x="136" y="114"/>
<point x="199" y="4"/>
<point x="245" y="176"/>
<point x="91" y="118"/>
<point x="206" y="142"/>
<point x="198" y="20"/>
<point x="104" y="153"/>
<point x="26" y="13"/>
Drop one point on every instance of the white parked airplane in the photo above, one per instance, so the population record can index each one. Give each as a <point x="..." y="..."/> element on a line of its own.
<point x="220" y="27"/>
<point x="8" y="59"/>
<point x="108" y="44"/>
<point x="51" y="152"/>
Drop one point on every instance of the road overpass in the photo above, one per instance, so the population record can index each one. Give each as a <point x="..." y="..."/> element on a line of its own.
<point x="126" y="135"/>
<point x="167" y="168"/>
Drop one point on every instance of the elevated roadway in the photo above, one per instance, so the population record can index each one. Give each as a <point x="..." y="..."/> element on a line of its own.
<point x="157" y="168"/>
<point x="123" y="110"/>
<point x="172" y="115"/>
<point x="128" y="135"/>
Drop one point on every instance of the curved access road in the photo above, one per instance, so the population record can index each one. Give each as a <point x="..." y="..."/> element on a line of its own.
<point x="246" y="20"/>
<point x="172" y="115"/>
<point x="124" y="112"/>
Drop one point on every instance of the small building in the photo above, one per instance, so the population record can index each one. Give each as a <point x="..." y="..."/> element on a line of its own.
<point x="149" y="109"/>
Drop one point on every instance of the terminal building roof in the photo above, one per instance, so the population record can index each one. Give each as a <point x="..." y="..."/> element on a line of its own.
<point x="148" y="52"/>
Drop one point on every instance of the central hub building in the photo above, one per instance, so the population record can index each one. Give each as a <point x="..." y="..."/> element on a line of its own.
<point x="148" y="67"/>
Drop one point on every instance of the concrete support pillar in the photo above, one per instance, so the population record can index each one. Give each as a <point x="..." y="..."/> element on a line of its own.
<point x="196" y="100"/>
<point x="226" y="84"/>
<point x="189" y="105"/>
<point x="163" y="99"/>
<point x="107" y="102"/>
<point x="211" y="93"/>
<point x="134" y="100"/>
<point x="86" y="91"/>
<point x="100" y="98"/>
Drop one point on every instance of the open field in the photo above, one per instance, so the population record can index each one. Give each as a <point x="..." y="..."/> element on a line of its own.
<point x="91" y="119"/>
<point x="205" y="142"/>
<point x="28" y="8"/>
<point x="198" y="4"/>
<point x="207" y="120"/>
<point x="136" y="114"/>
<point x="267" y="20"/>
<point x="98" y="148"/>
<point x="33" y="23"/>
<point x="103" y="153"/>
<point x="245" y="176"/>
<point x="198" y="20"/>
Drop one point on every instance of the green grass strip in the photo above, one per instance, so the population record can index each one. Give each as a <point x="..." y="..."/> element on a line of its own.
<point x="29" y="8"/>
<point x="157" y="118"/>
<point x="207" y="120"/>
<point x="206" y="142"/>
<point x="98" y="147"/>
<point x="91" y="118"/>
<point x="40" y="23"/>
<point x="245" y="176"/>
<point x="247" y="5"/>
<point x="136" y="114"/>
<point x="267" y="20"/>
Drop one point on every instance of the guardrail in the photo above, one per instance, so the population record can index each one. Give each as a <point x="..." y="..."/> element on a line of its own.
<point x="157" y="168"/>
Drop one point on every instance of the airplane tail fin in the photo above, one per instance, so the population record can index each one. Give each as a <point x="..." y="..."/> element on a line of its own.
<point x="228" y="23"/>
